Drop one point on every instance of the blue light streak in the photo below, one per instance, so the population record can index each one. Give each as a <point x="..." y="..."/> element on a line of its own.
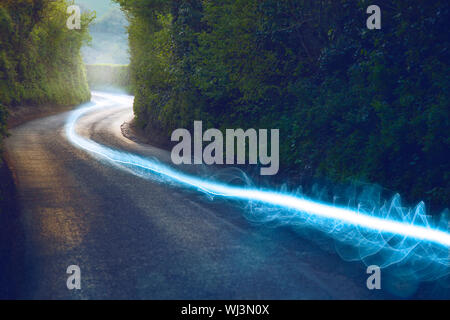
<point x="368" y="231"/>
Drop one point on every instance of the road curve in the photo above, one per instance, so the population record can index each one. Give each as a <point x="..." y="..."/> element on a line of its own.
<point x="140" y="239"/>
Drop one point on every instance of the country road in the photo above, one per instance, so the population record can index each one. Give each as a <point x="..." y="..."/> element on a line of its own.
<point x="142" y="239"/>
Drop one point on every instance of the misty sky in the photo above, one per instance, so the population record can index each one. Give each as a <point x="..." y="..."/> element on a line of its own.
<point x="109" y="38"/>
<point x="99" y="6"/>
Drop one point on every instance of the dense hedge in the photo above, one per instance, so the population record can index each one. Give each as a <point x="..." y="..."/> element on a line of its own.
<point x="40" y="60"/>
<point x="351" y="103"/>
<point x="109" y="76"/>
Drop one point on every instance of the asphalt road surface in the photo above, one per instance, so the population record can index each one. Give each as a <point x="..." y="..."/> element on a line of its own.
<point x="140" y="239"/>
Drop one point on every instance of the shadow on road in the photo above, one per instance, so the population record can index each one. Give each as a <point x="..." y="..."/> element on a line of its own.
<point x="12" y="251"/>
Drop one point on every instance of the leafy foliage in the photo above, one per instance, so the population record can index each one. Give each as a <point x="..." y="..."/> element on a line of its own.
<point x="351" y="103"/>
<point x="39" y="56"/>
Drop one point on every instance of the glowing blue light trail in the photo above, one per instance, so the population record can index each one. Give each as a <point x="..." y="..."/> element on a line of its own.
<point x="321" y="212"/>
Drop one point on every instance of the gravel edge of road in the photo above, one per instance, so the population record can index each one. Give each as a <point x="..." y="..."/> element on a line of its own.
<point x="23" y="114"/>
<point x="133" y="133"/>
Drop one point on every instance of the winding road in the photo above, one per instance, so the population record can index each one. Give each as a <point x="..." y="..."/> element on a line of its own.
<point x="135" y="238"/>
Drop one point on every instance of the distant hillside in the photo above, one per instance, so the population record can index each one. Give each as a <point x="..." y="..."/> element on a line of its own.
<point x="109" y="39"/>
